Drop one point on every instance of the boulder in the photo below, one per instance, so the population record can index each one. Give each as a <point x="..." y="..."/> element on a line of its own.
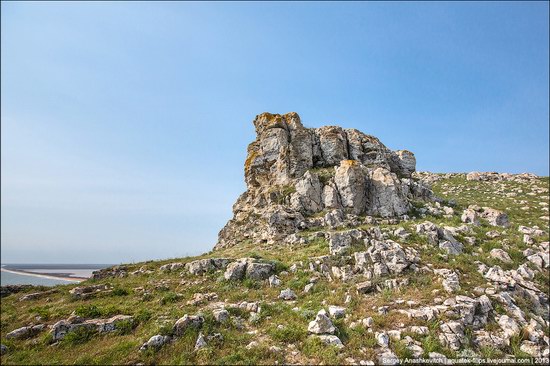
<point x="221" y="315"/>
<point x="187" y="321"/>
<point x="321" y="325"/>
<point x="259" y="271"/>
<point x="25" y="332"/>
<point x="155" y="342"/>
<point x="235" y="271"/>
<point x="331" y="340"/>
<point x="287" y="294"/>
<point x="336" y="311"/>
<point x="201" y="342"/>
<point x="60" y="329"/>
<point x="500" y="255"/>
<point x="495" y="217"/>
<point x="201" y="266"/>
<point x="452" y="335"/>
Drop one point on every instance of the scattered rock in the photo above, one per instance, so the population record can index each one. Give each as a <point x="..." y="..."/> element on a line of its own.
<point x="274" y="281"/>
<point x="221" y="315"/>
<point x="202" y="266"/>
<point x="37" y="295"/>
<point x="155" y="342"/>
<point x="85" y="292"/>
<point x="331" y="340"/>
<point x="287" y="294"/>
<point x="187" y="321"/>
<point x="201" y="342"/>
<point x="383" y="340"/>
<point x="500" y="255"/>
<point x="495" y="217"/>
<point x="25" y="332"/>
<point x="62" y="327"/>
<point x="321" y="325"/>
<point x="336" y="311"/>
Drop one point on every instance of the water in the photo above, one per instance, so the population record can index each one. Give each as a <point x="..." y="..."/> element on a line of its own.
<point x="35" y="273"/>
<point x="7" y="278"/>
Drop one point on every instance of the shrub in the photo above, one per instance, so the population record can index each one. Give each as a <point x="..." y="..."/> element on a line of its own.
<point x="119" y="291"/>
<point x="170" y="297"/>
<point x="124" y="327"/>
<point x="143" y="315"/>
<point x="42" y="312"/>
<point x="78" y="336"/>
<point x="90" y="311"/>
<point x="291" y="333"/>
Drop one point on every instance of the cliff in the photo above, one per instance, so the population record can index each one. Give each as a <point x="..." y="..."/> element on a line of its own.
<point x="298" y="178"/>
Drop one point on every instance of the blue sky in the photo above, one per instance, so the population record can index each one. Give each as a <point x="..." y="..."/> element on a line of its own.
<point x="125" y="125"/>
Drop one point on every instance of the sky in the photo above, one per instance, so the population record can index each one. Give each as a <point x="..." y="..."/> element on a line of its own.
<point x="125" y="124"/>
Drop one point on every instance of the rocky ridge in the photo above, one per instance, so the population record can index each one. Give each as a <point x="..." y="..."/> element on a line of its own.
<point x="298" y="178"/>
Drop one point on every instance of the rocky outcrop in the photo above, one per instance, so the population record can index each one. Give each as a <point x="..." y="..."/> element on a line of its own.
<point x="60" y="329"/>
<point x="293" y="173"/>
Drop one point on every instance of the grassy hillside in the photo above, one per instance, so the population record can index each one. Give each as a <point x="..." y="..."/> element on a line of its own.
<point x="159" y="298"/>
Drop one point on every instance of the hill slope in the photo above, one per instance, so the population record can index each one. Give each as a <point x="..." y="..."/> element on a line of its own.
<point x="406" y="288"/>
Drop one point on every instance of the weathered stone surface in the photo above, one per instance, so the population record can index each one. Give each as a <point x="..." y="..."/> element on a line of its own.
<point x="62" y="327"/>
<point x="452" y="335"/>
<point x="308" y="195"/>
<point x="384" y="258"/>
<point x="336" y="311"/>
<point x="171" y="267"/>
<point x="450" y="279"/>
<point x="287" y="294"/>
<point x="495" y="217"/>
<point x="407" y="160"/>
<point x="37" y="295"/>
<point x="25" y="332"/>
<point x="202" y="266"/>
<point x="321" y="325"/>
<point x="201" y="342"/>
<point x="221" y="315"/>
<point x="259" y="271"/>
<point x="470" y="216"/>
<point x="235" y="271"/>
<point x="293" y="172"/>
<point x="111" y="272"/>
<point x="155" y="342"/>
<point x="87" y="291"/>
<point x="331" y="340"/>
<point x="500" y="255"/>
<point x="187" y="321"/>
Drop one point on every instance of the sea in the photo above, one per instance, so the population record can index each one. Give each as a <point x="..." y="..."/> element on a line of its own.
<point x="46" y="274"/>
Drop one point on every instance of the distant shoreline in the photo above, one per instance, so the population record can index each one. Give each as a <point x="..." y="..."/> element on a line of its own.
<point x="43" y="275"/>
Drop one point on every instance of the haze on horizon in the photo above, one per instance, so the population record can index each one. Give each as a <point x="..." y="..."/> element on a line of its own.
<point x="125" y="125"/>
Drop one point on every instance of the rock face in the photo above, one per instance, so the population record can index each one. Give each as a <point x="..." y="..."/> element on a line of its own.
<point x="293" y="173"/>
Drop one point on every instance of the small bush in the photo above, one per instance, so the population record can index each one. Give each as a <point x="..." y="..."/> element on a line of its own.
<point x="166" y="329"/>
<point x="119" y="291"/>
<point x="143" y="316"/>
<point x="124" y="327"/>
<point x="110" y="310"/>
<point x="90" y="311"/>
<point x="315" y="348"/>
<point x="78" y="336"/>
<point x="42" y="312"/>
<point x="279" y="266"/>
<point x="170" y="297"/>
<point x="251" y="284"/>
<point x="291" y="333"/>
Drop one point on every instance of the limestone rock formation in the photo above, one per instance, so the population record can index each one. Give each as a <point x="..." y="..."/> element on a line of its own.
<point x="295" y="175"/>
